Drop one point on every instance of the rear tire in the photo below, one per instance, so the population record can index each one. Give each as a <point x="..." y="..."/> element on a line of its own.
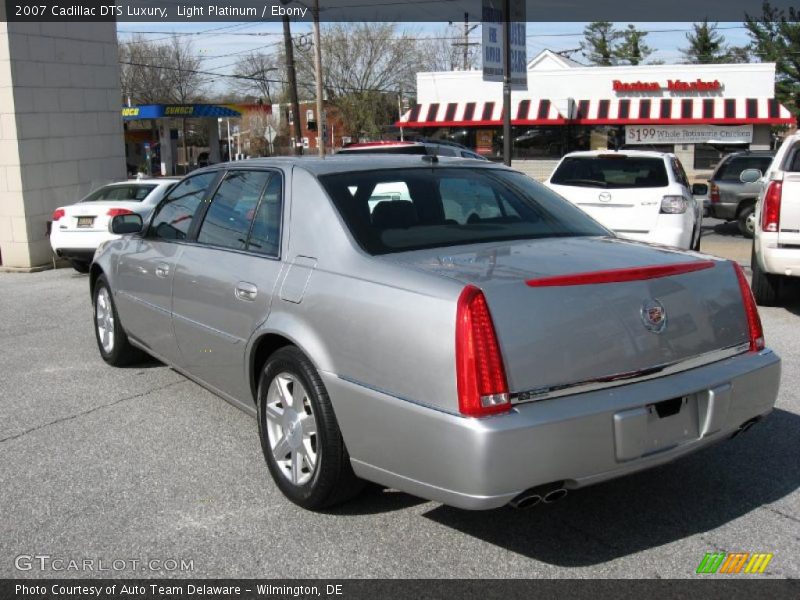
<point x="766" y="287"/>
<point x="747" y="221"/>
<point x="696" y="244"/>
<point x="81" y="266"/>
<point x="300" y="437"/>
<point x="112" y="341"/>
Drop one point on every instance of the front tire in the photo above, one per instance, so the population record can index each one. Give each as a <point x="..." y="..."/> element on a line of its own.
<point x="766" y="287"/>
<point x="112" y="341"/>
<point x="300" y="437"/>
<point x="747" y="221"/>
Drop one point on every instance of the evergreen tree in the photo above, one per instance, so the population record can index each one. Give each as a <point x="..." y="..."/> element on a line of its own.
<point x="600" y="38"/>
<point x="775" y="38"/>
<point x="706" y="44"/>
<point x="632" y="50"/>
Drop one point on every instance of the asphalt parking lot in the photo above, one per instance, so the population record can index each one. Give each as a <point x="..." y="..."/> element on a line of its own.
<point x="140" y="463"/>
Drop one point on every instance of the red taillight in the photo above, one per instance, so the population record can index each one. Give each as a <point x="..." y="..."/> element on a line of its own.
<point x="116" y="212"/>
<point x="753" y="320"/>
<point x="771" y="211"/>
<point x="57" y="214"/>
<point x="481" y="378"/>
<point x="713" y="193"/>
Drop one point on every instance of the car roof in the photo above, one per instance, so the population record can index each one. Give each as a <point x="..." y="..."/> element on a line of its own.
<point x="642" y="153"/>
<point x="352" y="162"/>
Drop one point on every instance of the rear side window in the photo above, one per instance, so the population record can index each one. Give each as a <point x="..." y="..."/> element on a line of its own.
<point x="616" y="171"/>
<point x="439" y="207"/>
<point x="265" y="233"/>
<point x="174" y="214"/>
<point x="227" y="222"/>
<point x="731" y="169"/>
<point x="124" y="193"/>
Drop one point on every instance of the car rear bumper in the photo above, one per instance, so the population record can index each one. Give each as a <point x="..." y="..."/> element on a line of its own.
<point x="578" y="440"/>
<point x="777" y="260"/>
<point x="677" y="237"/>
<point x="79" y="245"/>
<point x="721" y="210"/>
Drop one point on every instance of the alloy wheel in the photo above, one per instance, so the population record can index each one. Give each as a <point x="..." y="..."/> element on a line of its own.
<point x="104" y="318"/>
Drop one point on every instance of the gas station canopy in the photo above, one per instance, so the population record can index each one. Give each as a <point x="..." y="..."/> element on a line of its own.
<point x="188" y="111"/>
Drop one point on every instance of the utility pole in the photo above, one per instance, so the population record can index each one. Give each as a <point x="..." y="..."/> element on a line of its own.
<point x="507" y="82"/>
<point x="465" y="43"/>
<point x="318" y="72"/>
<point x="292" y="77"/>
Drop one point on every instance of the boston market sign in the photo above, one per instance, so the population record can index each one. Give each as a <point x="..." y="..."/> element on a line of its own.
<point x="673" y="85"/>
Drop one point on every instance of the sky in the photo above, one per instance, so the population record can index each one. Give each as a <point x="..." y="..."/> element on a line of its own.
<point x="221" y="44"/>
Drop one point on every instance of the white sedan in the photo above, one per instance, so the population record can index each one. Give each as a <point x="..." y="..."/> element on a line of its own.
<point x="640" y="195"/>
<point x="78" y="229"/>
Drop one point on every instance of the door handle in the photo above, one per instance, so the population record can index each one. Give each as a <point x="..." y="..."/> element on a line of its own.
<point x="245" y="291"/>
<point x="162" y="269"/>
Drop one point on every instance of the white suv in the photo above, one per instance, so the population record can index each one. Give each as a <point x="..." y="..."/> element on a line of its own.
<point x="776" y="242"/>
<point x="639" y="195"/>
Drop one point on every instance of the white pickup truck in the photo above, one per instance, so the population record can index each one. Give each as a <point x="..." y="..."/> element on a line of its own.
<point x="776" y="243"/>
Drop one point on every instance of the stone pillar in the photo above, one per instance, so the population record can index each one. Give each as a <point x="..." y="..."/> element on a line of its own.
<point x="60" y="127"/>
<point x="165" y="146"/>
<point x="213" y="141"/>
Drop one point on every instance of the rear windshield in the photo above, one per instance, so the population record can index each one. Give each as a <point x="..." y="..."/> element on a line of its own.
<point x="611" y="172"/>
<point x="127" y="193"/>
<point x="384" y="150"/>
<point x="730" y="170"/>
<point x="396" y="210"/>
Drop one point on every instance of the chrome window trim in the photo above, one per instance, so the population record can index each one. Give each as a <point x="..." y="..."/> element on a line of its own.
<point x="569" y="389"/>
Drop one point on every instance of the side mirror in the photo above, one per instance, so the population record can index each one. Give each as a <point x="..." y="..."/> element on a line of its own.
<point x="699" y="189"/>
<point x="125" y="224"/>
<point x="750" y="176"/>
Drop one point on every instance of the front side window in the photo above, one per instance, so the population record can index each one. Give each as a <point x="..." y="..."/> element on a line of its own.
<point x="227" y="222"/>
<point x="265" y="233"/>
<point x="613" y="171"/>
<point x="444" y="206"/>
<point x="174" y="214"/>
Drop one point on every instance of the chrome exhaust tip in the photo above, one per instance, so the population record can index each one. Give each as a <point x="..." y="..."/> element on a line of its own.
<point x="525" y="501"/>
<point x="555" y="496"/>
<point x="746" y="425"/>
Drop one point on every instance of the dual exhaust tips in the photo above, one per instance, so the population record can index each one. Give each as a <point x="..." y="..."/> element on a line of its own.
<point x="547" y="494"/>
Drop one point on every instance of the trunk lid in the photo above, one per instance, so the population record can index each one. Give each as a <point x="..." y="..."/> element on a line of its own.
<point x="623" y="210"/>
<point x="562" y="335"/>
<point x="93" y="216"/>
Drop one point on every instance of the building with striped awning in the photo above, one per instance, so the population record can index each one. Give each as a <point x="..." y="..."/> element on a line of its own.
<point x="699" y="112"/>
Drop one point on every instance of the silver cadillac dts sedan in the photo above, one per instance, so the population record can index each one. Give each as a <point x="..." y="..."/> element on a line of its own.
<point x="444" y="327"/>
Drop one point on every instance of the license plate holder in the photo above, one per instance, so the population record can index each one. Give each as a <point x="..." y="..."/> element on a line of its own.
<point x="657" y="427"/>
<point x="85" y="221"/>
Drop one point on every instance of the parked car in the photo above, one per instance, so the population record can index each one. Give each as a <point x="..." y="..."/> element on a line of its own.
<point x="640" y="195"/>
<point x="78" y="229"/>
<point x="732" y="198"/>
<point x="430" y="147"/>
<point x="776" y="247"/>
<point x="471" y="337"/>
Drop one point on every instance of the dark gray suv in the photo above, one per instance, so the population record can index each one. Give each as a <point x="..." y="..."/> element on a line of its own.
<point x="731" y="198"/>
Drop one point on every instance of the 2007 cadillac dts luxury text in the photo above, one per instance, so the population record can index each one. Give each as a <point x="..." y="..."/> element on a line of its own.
<point x="445" y="327"/>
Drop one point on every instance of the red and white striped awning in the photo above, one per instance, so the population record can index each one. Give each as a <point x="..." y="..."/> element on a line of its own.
<point x="680" y="111"/>
<point x="460" y="114"/>
<point x="611" y="111"/>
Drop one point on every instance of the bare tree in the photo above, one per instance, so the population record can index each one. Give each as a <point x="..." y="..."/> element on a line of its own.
<point x="445" y="50"/>
<point x="264" y="71"/>
<point x="364" y="66"/>
<point x="153" y="72"/>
